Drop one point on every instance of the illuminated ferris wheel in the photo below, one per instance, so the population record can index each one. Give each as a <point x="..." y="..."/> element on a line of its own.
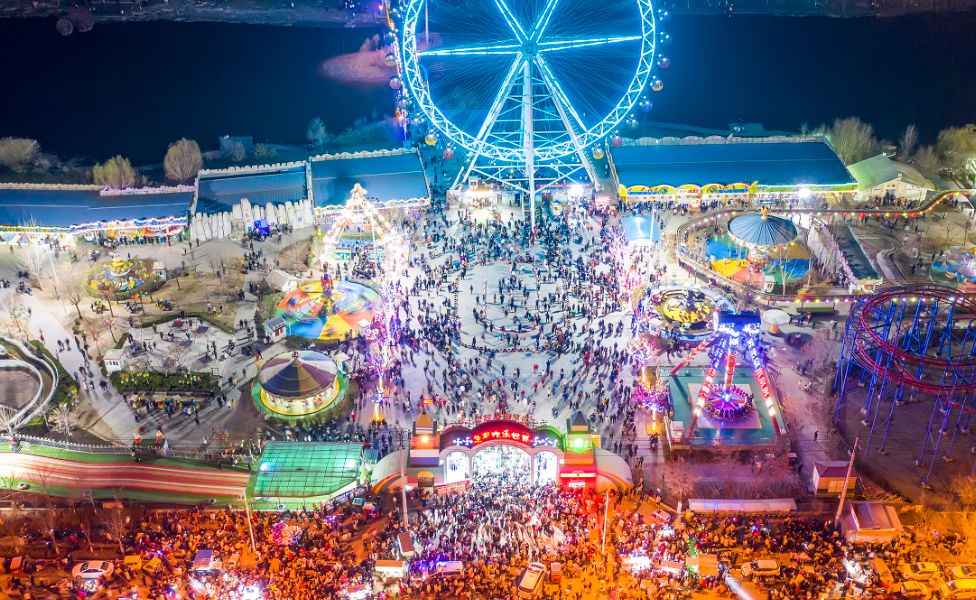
<point x="527" y="89"/>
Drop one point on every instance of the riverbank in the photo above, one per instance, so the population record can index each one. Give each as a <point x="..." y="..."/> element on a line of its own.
<point x="328" y="13"/>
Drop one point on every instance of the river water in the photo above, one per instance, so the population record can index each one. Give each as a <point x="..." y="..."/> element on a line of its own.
<point x="132" y="88"/>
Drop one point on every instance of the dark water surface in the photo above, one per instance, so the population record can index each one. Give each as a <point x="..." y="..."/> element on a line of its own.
<point x="132" y="88"/>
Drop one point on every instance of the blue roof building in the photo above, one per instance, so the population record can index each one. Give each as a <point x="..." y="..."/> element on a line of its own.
<point x="387" y="175"/>
<point x="219" y="191"/>
<point x="774" y="166"/>
<point x="71" y="207"/>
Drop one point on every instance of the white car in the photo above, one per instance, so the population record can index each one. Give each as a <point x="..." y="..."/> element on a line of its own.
<point x="92" y="569"/>
<point x="920" y="571"/>
<point x="761" y="568"/>
<point x="961" y="572"/>
<point x="3" y="351"/>
<point x="914" y="589"/>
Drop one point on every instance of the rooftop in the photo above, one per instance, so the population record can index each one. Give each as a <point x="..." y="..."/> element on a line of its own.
<point x="387" y="175"/>
<point x="306" y="469"/>
<point x="769" y="163"/>
<point x="221" y="190"/>
<point x="874" y="171"/>
<point x="64" y="208"/>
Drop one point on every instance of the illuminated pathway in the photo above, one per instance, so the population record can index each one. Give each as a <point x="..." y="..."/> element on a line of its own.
<point x="48" y="472"/>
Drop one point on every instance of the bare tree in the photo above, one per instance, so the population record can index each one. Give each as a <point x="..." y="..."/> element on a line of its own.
<point x="16" y="312"/>
<point x="47" y="520"/>
<point x="853" y="139"/>
<point x="965" y="489"/>
<point x="678" y="482"/>
<point x="116" y="173"/>
<point x="183" y="160"/>
<point x="316" y="132"/>
<point x="116" y="523"/>
<point x="18" y="153"/>
<point x="926" y="160"/>
<point x="907" y="143"/>
<point x="62" y="419"/>
<point x="35" y="261"/>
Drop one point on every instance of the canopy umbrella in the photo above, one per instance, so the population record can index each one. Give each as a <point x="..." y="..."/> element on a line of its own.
<point x="762" y="230"/>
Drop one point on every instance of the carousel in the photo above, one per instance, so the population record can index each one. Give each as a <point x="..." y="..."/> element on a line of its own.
<point x="759" y="247"/>
<point x="297" y="385"/>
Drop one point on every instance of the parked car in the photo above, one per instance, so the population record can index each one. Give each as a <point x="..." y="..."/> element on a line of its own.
<point x="961" y="572"/>
<point x="92" y="569"/>
<point x="761" y="568"/>
<point x="957" y="589"/>
<point x="920" y="571"/>
<point x="914" y="589"/>
<point x="530" y="584"/>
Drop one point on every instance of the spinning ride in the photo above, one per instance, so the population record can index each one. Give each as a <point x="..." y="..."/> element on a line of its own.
<point x="122" y="276"/>
<point x="736" y="407"/>
<point x="908" y="343"/>
<point x="320" y="310"/>
<point x="296" y="385"/>
<point x="683" y="313"/>
<point x="956" y="268"/>
<point x="529" y="89"/>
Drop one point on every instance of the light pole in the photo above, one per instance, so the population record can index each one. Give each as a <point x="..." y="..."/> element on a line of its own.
<point x="847" y="479"/>
<point x="403" y="473"/>
<point x="250" y="526"/>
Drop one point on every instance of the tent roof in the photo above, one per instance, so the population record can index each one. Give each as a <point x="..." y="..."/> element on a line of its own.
<point x="298" y="374"/>
<point x="769" y="163"/>
<point x="386" y="175"/>
<point x="874" y="171"/>
<point x="64" y="208"/>
<point x="758" y="230"/>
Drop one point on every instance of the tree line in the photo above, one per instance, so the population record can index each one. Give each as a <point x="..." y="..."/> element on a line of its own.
<point x="181" y="163"/>
<point x="952" y="155"/>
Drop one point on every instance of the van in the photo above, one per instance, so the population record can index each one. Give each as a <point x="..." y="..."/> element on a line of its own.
<point x="761" y="568"/>
<point x="530" y="584"/>
<point x="132" y="562"/>
<point x="957" y="589"/>
<point x="390" y="568"/>
<point x="152" y="565"/>
<point x="448" y="568"/>
<point x="883" y="572"/>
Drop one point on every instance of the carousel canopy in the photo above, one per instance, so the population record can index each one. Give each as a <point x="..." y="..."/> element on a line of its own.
<point x="298" y="374"/>
<point x="762" y="230"/>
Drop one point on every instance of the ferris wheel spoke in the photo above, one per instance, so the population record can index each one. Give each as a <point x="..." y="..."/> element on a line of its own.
<point x="499" y="102"/>
<point x="498" y="48"/>
<point x="572" y="44"/>
<point x="542" y="22"/>
<point x="562" y="100"/>
<point x="511" y="21"/>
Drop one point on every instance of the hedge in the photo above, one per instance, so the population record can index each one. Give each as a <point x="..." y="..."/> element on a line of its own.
<point x="130" y="382"/>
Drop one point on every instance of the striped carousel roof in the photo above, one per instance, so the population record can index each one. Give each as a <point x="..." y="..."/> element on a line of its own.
<point x="298" y="374"/>
<point x="761" y="229"/>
